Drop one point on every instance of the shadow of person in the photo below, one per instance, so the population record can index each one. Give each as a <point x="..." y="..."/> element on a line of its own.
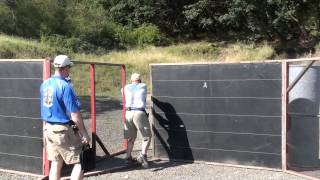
<point x="171" y="140"/>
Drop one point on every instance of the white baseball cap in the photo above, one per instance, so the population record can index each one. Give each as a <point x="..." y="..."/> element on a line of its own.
<point x="135" y="77"/>
<point x="62" y="61"/>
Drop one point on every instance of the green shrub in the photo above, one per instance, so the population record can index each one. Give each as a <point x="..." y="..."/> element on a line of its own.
<point x="140" y="37"/>
<point x="125" y="38"/>
<point x="198" y="50"/>
<point x="147" y="35"/>
<point x="60" y="43"/>
<point x="89" y="40"/>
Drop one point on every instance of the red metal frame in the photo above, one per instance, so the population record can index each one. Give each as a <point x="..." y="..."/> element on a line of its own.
<point x="45" y="161"/>
<point x="95" y="138"/>
<point x="284" y="123"/>
<point x="93" y="107"/>
<point x="123" y="83"/>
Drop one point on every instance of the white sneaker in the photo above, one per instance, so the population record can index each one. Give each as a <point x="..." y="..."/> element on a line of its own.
<point x="142" y="159"/>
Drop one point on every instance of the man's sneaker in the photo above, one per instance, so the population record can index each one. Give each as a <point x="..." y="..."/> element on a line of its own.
<point x="130" y="161"/>
<point x="142" y="159"/>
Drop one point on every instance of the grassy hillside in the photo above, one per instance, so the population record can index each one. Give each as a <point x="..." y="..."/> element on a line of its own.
<point x="138" y="60"/>
<point x="19" y="48"/>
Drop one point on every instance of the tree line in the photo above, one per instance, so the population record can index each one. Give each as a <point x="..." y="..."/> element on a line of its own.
<point x="97" y="26"/>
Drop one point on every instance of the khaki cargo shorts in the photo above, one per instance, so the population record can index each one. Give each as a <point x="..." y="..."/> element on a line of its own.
<point x="63" y="142"/>
<point x="136" y="121"/>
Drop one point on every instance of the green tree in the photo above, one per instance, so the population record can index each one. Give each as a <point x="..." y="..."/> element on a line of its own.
<point x="30" y="18"/>
<point x="7" y="19"/>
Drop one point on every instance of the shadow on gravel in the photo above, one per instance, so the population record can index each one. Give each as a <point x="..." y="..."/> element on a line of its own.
<point x="154" y="166"/>
<point x="103" y="165"/>
<point x="158" y="165"/>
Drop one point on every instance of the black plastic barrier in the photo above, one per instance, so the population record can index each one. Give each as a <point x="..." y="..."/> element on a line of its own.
<point x="20" y="124"/>
<point x="223" y="113"/>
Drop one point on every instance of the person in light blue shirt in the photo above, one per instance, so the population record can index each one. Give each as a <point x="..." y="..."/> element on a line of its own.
<point x="136" y="118"/>
<point x="60" y="109"/>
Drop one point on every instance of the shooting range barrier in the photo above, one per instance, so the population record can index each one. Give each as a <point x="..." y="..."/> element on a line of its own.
<point x="251" y="114"/>
<point x="21" y="127"/>
<point x="22" y="147"/>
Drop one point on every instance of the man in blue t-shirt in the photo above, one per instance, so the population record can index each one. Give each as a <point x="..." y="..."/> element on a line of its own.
<point x="60" y="109"/>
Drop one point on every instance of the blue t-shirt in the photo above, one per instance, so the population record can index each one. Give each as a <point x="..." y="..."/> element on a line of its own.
<point x="58" y="100"/>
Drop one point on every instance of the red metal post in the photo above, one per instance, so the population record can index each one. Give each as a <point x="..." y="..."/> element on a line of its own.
<point x="123" y="83"/>
<point x="93" y="107"/>
<point x="45" y="161"/>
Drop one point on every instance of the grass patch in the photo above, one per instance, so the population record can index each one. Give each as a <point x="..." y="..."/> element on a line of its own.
<point x="19" y="48"/>
<point x="246" y="52"/>
<point x="136" y="60"/>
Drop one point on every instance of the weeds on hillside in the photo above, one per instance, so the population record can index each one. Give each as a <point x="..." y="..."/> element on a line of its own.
<point x="136" y="60"/>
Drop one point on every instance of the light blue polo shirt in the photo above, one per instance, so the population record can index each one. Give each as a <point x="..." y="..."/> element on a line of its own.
<point x="136" y="95"/>
<point x="58" y="100"/>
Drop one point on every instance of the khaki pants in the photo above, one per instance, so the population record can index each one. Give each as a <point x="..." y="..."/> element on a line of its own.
<point x="63" y="141"/>
<point x="136" y="121"/>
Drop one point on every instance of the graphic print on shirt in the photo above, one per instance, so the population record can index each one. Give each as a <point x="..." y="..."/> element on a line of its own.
<point x="48" y="97"/>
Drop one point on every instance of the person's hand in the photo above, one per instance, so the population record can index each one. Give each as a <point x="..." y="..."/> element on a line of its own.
<point x="85" y="138"/>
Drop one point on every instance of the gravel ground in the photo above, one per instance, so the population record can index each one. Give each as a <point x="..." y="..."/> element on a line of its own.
<point x="177" y="170"/>
<point x="109" y="130"/>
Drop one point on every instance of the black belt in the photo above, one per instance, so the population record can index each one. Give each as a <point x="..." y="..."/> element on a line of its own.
<point x="69" y="123"/>
<point x="135" y="109"/>
<point x="59" y="123"/>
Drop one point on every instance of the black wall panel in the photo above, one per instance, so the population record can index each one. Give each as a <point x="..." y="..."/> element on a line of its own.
<point x="20" y="107"/>
<point x="21" y="126"/>
<point x="221" y="156"/>
<point x="195" y="105"/>
<point x="21" y="70"/>
<point x="22" y="163"/>
<point x="20" y="142"/>
<point x="196" y="88"/>
<point x="12" y="87"/>
<point x="217" y="72"/>
<point x="226" y="113"/>
<point x="220" y="123"/>
<point x="258" y="143"/>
